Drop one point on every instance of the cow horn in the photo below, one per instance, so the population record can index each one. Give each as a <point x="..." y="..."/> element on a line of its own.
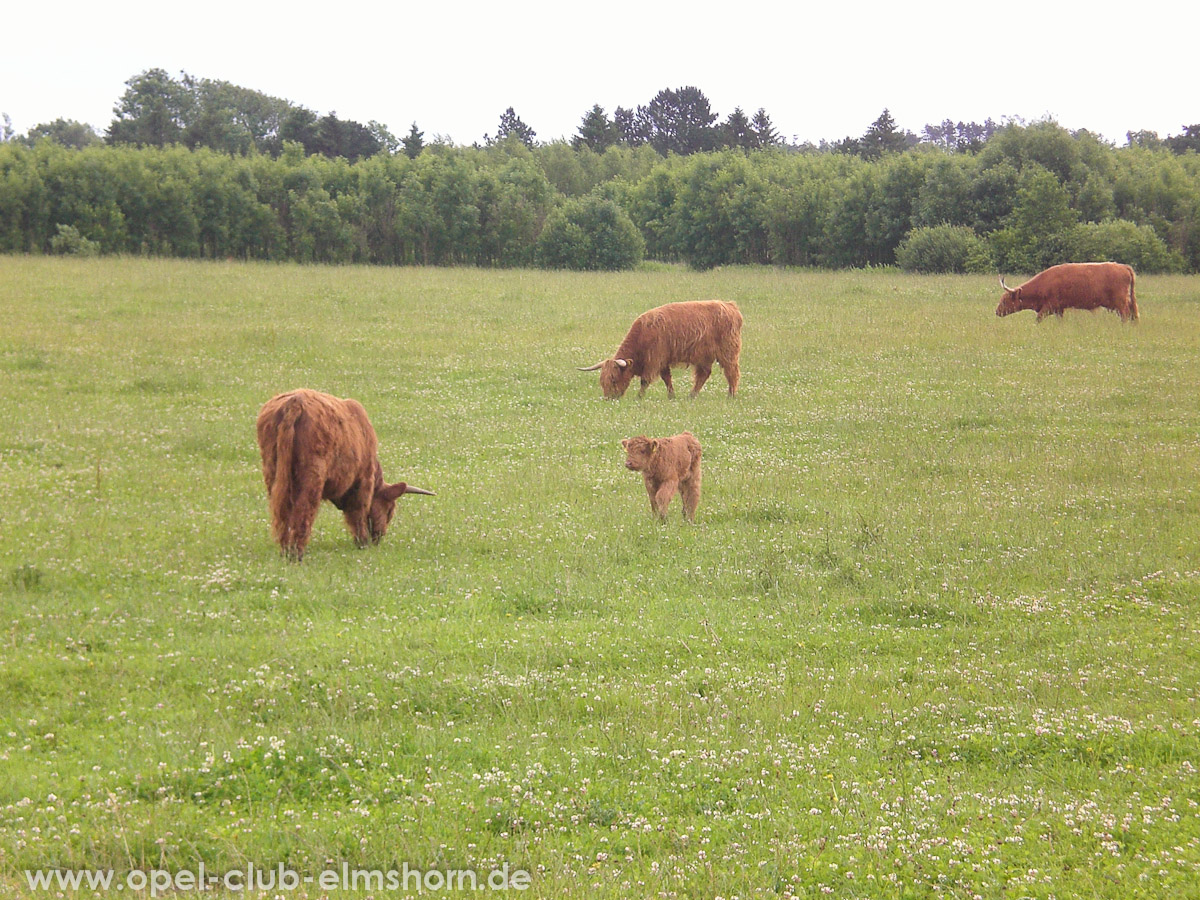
<point x="1003" y="285"/>
<point x="622" y="362"/>
<point x="409" y="489"/>
<point x="591" y="368"/>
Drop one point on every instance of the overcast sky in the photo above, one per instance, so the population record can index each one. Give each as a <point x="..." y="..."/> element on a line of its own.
<point x="821" y="70"/>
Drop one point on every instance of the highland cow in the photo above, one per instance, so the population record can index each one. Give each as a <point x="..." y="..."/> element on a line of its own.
<point x="667" y="465"/>
<point x="691" y="333"/>
<point x="1104" y="285"/>
<point x="316" y="447"/>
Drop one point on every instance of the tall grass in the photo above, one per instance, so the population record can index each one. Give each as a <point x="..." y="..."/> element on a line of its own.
<point x="933" y="633"/>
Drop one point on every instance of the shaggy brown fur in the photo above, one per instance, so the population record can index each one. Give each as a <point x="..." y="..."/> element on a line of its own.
<point x="1074" y="286"/>
<point x="692" y="333"/>
<point x="667" y="465"/>
<point x="316" y="447"/>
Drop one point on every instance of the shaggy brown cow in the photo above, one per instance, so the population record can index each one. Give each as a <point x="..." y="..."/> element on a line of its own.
<point x="667" y="465"/>
<point x="691" y="333"/>
<point x="1103" y="285"/>
<point x="316" y="447"/>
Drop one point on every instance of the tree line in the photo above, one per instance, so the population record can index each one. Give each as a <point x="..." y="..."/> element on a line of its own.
<point x="1031" y="195"/>
<point x="157" y="110"/>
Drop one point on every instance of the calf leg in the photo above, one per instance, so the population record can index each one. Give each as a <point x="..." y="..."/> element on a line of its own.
<point x="690" y="491"/>
<point x="662" y="498"/>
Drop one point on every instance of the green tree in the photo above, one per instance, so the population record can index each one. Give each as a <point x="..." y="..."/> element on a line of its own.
<point x="300" y="126"/>
<point x="737" y="131"/>
<point x="1037" y="230"/>
<point x="765" y="134"/>
<point x="66" y="132"/>
<point x="511" y="127"/>
<point x="153" y="111"/>
<point x="883" y="137"/>
<point x="679" y="121"/>
<point x="721" y="212"/>
<point x="597" y="132"/>
<point x="513" y="204"/>
<point x="232" y="119"/>
<point x="414" y="142"/>
<point x="1188" y="140"/>
<point x="345" y="138"/>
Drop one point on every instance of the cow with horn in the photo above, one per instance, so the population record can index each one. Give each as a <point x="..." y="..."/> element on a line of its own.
<point x="693" y="333"/>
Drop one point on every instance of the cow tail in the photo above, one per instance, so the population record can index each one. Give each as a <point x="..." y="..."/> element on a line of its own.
<point x="281" y="489"/>
<point x="1133" y="309"/>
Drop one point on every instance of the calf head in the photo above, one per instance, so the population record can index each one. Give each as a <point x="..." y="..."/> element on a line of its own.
<point x="615" y="375"/>
<point x="1010" y="302"/>
<point x="383" y="507"/>
<point x="639" y="452"/>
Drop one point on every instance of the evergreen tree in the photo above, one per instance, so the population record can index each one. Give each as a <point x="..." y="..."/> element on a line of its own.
<point x="679" y="121"/>
<point x="511" y="126"/>
<point x="629" y="127"/>
<point x="737" y="131"/>
<point x="414" y="143"/>
<point x="882" y="137"/>
<point x="765" y="134"/>
<point x="597" y="131"/>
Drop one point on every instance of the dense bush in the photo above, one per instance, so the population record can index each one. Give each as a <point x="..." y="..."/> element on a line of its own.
<point x="943" y="248"/>
<point x="1121" y="241"/>
<point x="590" y="234"/>
<point x="69" y="242"/>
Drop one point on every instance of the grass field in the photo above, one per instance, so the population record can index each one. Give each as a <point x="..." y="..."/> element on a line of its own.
<point x="934" y="632"/>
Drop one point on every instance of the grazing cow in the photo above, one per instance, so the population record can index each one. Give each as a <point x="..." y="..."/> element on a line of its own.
<point x="691" y="333"/>
<point x="316" y="447"/>
<point x="1104" y="285"/>
<point x="667" y="465"/>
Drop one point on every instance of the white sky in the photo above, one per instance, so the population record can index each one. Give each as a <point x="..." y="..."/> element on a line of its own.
<point x="822" y="70"/>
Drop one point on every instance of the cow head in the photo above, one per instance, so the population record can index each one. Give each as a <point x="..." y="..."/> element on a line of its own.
<point x="639" y="451"/>
<point x="615" y="375"/>
<point x="383" y="507"/>
<point x="1010" y="302"/>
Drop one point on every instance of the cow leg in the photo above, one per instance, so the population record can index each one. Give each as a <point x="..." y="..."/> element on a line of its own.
<point x="355" y="509"/>
<point x="665" y="374"/>
<point x="662" y="498"/>
<point x="690" y="492"/>
<point x="303" y="513"/>
<point x="702" y="373"/>
<point x="733" y="373"/>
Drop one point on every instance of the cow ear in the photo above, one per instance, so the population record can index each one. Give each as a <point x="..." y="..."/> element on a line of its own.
<point x="625" y="444"/>
<point x="390" y="492"/>
<point x="654" y="446"/>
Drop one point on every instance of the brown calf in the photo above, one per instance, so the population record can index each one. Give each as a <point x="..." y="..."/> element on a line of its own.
<point x="316" y="447"/>
<point x="667" y="465"/>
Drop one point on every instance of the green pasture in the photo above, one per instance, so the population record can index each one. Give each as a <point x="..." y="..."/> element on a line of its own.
<point x="934" y="633"/>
